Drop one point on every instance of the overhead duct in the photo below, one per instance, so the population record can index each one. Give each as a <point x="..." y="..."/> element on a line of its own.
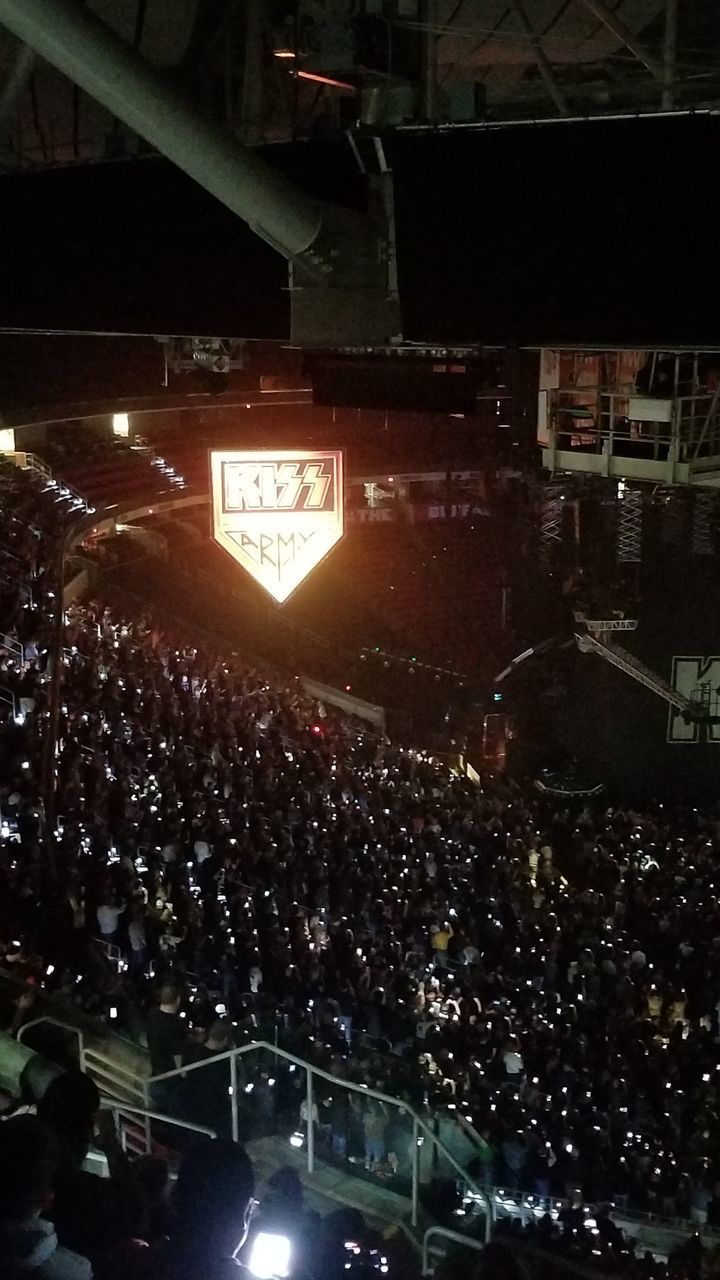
<point x="331" y="249"/>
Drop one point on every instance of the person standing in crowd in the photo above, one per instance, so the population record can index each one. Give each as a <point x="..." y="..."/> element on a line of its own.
<point x="108" y="916"/>
<point x="211" y="1210"/>
<point x="374" y="1125"/>
<point x="29" y="1248"/>
<point x="82" y="1201"/>
<point x="138" y="941"/>
<point x="440" y="940"/>
<point x="309" y="1116"/>
<point x="298" y="869"/>
<point x="166" y="1036"/>
<point x="206" y="1092"/>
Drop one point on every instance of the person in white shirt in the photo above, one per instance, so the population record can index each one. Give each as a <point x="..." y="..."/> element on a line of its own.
<point x="108" y="915"/>
<point x="201" y="850"/>
<point x="138" y="941"/>
<point x="512" y="1059"/>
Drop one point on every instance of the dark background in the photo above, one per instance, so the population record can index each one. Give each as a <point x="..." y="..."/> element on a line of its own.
<point x="599" y="233"/>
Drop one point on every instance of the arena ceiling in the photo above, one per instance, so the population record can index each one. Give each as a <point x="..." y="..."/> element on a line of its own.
<point x="271" y="70"/>
<point x="505" y="232"/>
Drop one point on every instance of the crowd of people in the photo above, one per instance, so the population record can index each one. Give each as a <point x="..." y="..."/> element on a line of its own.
<point x="550" y="972"/>
<point x="577" y="1244"/>
<point x="60" y="1222"/>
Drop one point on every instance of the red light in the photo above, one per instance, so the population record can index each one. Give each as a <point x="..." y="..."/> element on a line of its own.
<point x="316" y="728"/>
<point x="348" y="687"/>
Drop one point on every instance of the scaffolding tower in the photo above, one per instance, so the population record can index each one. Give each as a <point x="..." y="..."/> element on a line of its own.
<point x="629" y="526"/>
<point x="551" y="520"/>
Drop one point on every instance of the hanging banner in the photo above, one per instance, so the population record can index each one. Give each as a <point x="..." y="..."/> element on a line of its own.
<point x="277" y="513"/>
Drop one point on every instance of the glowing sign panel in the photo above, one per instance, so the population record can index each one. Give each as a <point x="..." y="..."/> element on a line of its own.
<point x="278" y="514"/>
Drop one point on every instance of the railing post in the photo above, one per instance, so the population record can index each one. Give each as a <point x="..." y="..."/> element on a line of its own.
<point x="114" y="1112"/>
<point x="415" y="1171"/>
<point x="421" y="1129"/>
<point x="234" y="1099"/>
<point x="310" y="1125"/>
<point x="119" y="1127"/>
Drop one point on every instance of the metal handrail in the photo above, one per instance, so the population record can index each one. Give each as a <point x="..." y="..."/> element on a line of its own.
<point x="494" y="1197"/>
<point x="109" y="949"/>
<point x="419" y="1124"/>
<point x="446" y="1234"/>
<point x="8" y="698"/>
<point x="365" y="1090"/>
<point x="132" y="1076"/>
<point x="55" y="1022"/>
<point x="118" y="1108"/>
<point x="38" y="464"/>
<point x="514" y="1200"/>
<point x="114" y="1071"/>
<point x="13" y="646"/>
<point x="109" y="1068"/>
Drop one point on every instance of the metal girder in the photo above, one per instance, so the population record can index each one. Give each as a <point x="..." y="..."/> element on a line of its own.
<point x="637" y="670"/>
<point x="544" y="67"/>
<point x="340" y="284"/>
<point x="629" y="530"/>
<point x="551" y="520"/>
<point x="75" y="41"/>
<point x="626" y="37"/>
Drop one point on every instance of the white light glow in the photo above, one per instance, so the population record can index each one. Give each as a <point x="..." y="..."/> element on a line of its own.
<point x="269" y="1256"/>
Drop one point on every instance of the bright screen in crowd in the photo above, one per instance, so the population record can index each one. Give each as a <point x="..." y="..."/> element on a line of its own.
<point x="269" y="1256"/>
<point x="278" y="513"/>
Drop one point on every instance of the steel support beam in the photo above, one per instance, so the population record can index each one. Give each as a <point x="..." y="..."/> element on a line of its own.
<point x="626" y="37"/>
<point x="75" y="41"/>
<point x="546" y="72"/>
<point x="633" y="667"/>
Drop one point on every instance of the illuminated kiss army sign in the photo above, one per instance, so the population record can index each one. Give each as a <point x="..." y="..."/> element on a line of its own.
<point x="277" y="513"/>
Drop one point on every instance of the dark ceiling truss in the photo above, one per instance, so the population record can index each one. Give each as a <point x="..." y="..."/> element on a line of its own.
<point x="272" y="71"/>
